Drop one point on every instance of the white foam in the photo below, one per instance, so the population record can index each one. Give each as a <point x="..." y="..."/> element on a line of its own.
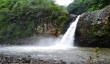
<point x="68" y="38"/>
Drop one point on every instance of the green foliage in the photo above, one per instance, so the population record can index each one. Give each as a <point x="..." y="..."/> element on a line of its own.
<point x="96" y="56"/>
<point x="20" y="18"/>
<point x="96" y="51"/>
<point x="106" y="28"/>
<point x="63" y="19"/>
<point x="80" y="6"/>
<point x="95" y="30"/>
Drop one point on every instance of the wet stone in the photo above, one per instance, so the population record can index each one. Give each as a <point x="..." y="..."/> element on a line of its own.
<point x="14" y="63"/>
<point x="8" y="59"/>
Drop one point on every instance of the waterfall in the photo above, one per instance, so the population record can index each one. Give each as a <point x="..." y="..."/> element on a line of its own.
<point x="68" y="38"/>
<point x="63" y="42"/>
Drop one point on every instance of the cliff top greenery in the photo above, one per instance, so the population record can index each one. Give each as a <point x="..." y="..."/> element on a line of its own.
<point x="20" y="18"/>
<point x="81" y="6"/>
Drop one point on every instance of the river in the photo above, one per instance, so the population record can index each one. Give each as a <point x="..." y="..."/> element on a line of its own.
<point x="68" y="55"/>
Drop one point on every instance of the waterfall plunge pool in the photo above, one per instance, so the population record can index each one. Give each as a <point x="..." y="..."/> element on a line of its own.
<point x="68" y="55"/>
<point x="62" y="50"/>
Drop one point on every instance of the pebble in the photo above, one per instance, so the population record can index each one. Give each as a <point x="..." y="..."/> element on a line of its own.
<point x="12" y="59"/>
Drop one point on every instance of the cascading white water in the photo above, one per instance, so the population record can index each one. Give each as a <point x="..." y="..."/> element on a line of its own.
<point x="68" y="38"/>
<point x="62" y="42"/>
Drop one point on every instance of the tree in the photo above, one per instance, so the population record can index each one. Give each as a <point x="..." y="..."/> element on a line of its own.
<point x="20" y="18"/>
<point x="81" y="6"/>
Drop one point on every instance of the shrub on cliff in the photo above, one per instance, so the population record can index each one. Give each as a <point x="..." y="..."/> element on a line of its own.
<point x="81" y="6"/>
<point x="20" y="18"/>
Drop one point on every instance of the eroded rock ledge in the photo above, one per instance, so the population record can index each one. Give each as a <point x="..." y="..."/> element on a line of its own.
<point x="93" y="28"/>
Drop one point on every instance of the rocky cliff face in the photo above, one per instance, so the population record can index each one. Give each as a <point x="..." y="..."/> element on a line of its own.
<point x="93" y="28"/>
<point x="50" y="29"/>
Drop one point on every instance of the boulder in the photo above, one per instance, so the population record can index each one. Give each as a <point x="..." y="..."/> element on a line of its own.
<point x="93" y="28"/>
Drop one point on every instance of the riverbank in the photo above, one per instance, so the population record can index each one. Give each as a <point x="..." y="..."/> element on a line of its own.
<point x="14" y="59"/>
<point x="41" y="55"/>
<point x="35" y="55"/>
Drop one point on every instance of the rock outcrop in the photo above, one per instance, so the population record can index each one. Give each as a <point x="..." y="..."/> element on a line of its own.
<point x="93" y="28"/>
<point x="50" y="29"/>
